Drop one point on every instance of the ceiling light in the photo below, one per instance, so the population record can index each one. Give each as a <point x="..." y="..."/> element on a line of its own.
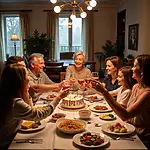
<point x="75" y="5"/>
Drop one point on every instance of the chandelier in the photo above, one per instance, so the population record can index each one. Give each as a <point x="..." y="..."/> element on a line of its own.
<point x="75" y="6"/>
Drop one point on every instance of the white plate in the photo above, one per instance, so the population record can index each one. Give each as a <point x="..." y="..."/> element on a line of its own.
<point x="130" y="128"/>
<point x="105" y="116"/>
<point x="76" y="140"/>
<point x="62" y="114"/>
<point x="61" y="120"/>
<point x="40" y="127"/>
<point x="93" y="109"/>
<point x="99" y="98"/>
<point x="44" y="96"/>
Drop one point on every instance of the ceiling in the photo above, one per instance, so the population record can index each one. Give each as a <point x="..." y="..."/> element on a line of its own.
<point x="32" y="1"/>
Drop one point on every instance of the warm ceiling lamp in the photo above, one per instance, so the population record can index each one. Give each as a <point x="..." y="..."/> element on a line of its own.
<point x="75" y="5"/>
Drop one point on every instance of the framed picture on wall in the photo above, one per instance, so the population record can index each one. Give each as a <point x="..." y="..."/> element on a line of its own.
<point x="133" y="37"/>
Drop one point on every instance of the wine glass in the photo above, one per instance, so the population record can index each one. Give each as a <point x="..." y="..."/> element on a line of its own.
<point x="95" y="76"/>
<point x="66" y="84"/>
<point x="82" y="84"/>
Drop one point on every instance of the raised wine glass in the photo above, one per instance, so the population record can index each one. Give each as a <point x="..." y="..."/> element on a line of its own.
<point x="95" y="76"/>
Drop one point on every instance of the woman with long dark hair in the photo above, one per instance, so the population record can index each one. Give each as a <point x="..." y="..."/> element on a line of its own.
<point x="16" y="104"/>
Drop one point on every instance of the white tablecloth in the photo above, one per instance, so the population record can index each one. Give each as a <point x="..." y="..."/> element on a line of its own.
<point x="54" y="139"/>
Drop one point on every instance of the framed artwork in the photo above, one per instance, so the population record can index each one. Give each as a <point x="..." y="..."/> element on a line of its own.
<point x="133" y="37"/>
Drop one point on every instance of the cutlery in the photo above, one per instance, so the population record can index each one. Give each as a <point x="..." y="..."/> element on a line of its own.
<point x="124" y="138"/>
<point x="32" y="141"/>
<point x="96" y="114"/>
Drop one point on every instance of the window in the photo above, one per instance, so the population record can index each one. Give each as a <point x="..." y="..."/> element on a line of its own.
<point x="11" y="25"/>
<point x="70" y="34"/>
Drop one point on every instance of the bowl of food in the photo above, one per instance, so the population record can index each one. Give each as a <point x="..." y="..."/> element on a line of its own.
<point x="57" y="116"/>
<point x="84" y="114"/>
<point x="70" y="126"/>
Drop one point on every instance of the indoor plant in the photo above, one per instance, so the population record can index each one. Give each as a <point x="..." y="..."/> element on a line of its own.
<point x="38" y="43"/>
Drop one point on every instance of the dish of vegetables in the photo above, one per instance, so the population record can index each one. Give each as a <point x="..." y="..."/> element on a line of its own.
<point x="90" y="139"/>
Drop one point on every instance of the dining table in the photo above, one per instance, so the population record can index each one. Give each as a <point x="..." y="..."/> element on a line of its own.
<point x="51" y="138"/>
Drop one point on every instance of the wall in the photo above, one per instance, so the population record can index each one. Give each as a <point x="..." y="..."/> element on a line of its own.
<point x="105" y="27"/>
<point x="104" y="22"/>
<point x="137" y="11"/>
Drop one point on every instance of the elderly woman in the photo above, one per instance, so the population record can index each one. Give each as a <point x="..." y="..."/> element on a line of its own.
<point x="112" y="66"/>
<point x="16" y="105"/>
<point x="138" y="106"/>
<point x="78" y="70"/>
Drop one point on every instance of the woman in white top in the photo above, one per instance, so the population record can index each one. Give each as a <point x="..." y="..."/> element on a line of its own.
<point x="126" y="82"/>
<point x="16" y="105"/>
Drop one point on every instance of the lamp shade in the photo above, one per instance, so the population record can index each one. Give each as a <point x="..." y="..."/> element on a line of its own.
<point x="14" y="37"/>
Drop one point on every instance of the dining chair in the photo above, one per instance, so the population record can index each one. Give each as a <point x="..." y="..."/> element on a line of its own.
<point x="66" y="55"/>
<point x="62" y="76"/>
<point x="53" y="70"/>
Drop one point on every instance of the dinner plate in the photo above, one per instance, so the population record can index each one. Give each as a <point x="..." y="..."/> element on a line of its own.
<point x="130" y="128"/>
<point x="70" y="131"/>
<point x="99" y="98"/>
<point x="40" y="127"/>
<point x="44" y="96"/>
<point x="107" y="116"/>
<point x="76" y="140"/>
<point x="93" y="109"/>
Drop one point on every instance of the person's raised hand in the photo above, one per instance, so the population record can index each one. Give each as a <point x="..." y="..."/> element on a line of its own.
<point x="96" y="85"/>
<point x="63" y="93"/>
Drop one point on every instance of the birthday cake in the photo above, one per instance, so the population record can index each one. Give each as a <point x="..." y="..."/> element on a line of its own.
<point x="73" y="101"/>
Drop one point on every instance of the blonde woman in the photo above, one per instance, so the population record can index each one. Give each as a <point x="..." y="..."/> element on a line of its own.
<point x="78" y="70"/>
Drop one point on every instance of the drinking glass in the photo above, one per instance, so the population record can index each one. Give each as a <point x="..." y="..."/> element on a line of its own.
<point x="95" y="76"/>
<point x="66" y="84"/>
<point x="82" y="84"/>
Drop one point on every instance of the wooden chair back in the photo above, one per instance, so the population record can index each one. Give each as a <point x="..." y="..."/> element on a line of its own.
<point x="62" y="76"/>
<point x="66" y="55"/>
<point x="53" y="70"/>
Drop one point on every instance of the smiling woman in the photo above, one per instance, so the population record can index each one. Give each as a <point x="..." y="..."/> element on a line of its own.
<point x="78" y="71"/>
<point x="112" y="66"/>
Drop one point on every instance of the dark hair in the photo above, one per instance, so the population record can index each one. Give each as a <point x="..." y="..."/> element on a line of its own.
<point x="127" y="73"/>
<point x="13" y="81"/>
<point x="13" y="60"/>
<point x="115" y="60"/>
<point x="144" y="64"/>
